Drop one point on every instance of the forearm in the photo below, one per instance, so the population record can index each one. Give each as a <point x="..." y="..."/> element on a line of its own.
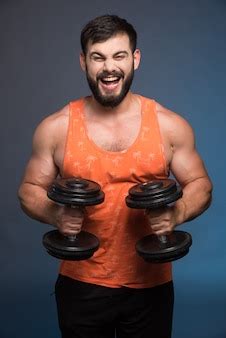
<point x="35" y="203"/>
<point x="195" y="200"/>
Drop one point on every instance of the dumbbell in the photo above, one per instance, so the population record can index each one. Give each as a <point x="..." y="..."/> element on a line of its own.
<point x="152" y="195"/>
<point x="74" y="192"/>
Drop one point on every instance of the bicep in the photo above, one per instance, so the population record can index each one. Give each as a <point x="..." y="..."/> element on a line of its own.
<point x="186" y="164"/>
<point x="41" y="169"/>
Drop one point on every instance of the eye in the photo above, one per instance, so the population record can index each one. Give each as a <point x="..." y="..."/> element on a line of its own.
<point x="119" y="57"/>
<point x="97" y="58"/>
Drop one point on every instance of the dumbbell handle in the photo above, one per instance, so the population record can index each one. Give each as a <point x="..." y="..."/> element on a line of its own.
<point x="163" y="239"/>
<point x="73" y="238"/>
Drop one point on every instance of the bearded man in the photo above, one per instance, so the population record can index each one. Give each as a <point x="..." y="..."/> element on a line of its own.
<point x="116" y="138"/>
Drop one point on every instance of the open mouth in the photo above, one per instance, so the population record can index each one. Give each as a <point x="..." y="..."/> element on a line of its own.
<point x="110" y="83"/>
<point x="110" y="80"/>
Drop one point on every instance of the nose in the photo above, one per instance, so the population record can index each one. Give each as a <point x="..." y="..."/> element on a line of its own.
<point x="109" y="65"/>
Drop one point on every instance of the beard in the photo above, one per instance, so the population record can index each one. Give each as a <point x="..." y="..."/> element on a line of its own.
<point x="110" y="100"/>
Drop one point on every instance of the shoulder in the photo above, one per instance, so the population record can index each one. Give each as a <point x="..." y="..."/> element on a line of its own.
<point x="51" y="128"/>
<point x="54" y="119"/>
<point x="175" y="127"/>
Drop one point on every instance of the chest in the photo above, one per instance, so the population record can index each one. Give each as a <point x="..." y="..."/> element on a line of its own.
<point x="115" y="135"/>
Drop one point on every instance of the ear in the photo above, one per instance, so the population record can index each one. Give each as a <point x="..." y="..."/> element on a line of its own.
<point x="136" y="58"/>
<point x="82" y="59"/>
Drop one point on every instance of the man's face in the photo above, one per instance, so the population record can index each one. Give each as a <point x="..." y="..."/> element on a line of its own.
<point x="110" y="68"/>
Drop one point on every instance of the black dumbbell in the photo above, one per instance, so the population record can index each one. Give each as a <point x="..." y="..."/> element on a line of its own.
<point x="74" y="192"/>
<point x="152" y="195"/>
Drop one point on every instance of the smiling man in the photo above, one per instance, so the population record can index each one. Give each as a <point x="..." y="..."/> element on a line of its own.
<point x="110" y="68"/>
<point x="116" y="138"/>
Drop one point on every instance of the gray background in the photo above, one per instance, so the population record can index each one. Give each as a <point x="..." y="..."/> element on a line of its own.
<point x="183" y="67"/>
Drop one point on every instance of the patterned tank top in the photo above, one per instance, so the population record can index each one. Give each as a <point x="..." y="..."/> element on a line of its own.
<point x="116" y="262"/>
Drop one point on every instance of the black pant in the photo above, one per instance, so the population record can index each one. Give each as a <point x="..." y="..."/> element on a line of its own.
<point x="92" y="311"/>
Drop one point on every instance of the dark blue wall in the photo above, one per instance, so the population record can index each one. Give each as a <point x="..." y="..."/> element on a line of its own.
<point x="183" y="67"/>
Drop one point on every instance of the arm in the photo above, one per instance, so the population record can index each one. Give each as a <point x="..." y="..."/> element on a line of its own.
<point x="189" y="170"/>
<point x="186" y="165"/>
<point x="41" y="171"/>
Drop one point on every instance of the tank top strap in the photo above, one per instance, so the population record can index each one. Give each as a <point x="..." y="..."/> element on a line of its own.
<point x="75" y="128"/>
<point x="149" y="116"/>
<point x="150" y="137"/>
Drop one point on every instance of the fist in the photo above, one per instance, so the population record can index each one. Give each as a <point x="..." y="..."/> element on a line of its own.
<point x="69" y="220"/>
<point x="162" y="221"/>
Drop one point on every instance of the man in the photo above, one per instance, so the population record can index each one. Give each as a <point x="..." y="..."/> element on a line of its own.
<point x="116" y="138"/>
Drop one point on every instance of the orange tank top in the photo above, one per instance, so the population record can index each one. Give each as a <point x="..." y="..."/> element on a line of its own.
<point x="116" y="262"/>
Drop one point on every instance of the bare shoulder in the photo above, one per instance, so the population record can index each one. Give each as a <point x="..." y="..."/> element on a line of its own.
<point x="174" y="128"/>
<point x="54" y="121"/>
<point x="52" y="129"/>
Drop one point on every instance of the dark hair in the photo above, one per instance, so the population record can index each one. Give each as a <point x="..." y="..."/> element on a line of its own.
<point x="104" y="27"/>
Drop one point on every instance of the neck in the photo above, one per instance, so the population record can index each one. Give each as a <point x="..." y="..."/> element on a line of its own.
<point x="125" y="105"/>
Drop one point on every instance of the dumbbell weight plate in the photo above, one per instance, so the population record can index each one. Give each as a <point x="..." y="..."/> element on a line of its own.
<point x="62" y="247"/>
<point x="153" y="250"/>
<point x="75" y="191"/>
<point x="153" y="194"/>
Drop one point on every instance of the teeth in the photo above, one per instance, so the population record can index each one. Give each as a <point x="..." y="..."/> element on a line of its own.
<point x="110" y="79"/>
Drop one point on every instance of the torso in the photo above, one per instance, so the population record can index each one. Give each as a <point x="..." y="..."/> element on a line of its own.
<point x="111" y="134"/>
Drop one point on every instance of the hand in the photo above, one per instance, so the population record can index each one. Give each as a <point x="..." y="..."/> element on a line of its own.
<point x="69" y="220"/>
<point x="162" y="220"/>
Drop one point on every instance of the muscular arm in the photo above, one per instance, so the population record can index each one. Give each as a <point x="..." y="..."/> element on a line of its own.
<point x="189" y="170"/>
<point x="43" y="167"/>
<point x="40" y="172"/>
<point x="186" y="165"/>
